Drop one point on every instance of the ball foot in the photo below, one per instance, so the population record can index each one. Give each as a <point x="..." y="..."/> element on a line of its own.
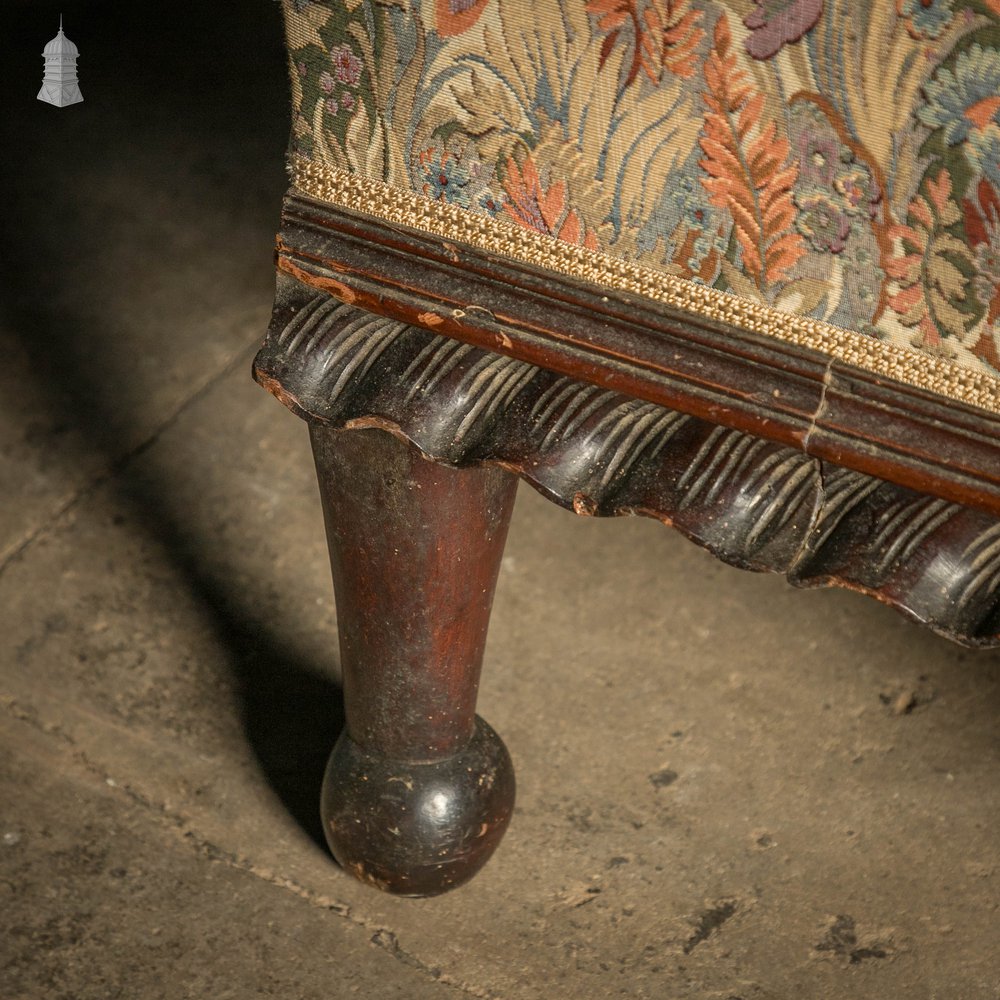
<point x="417" y="829"/>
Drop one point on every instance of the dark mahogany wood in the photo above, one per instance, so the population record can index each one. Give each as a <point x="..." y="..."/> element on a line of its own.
<point x="419" y="790"/>
<point x="752" y="502"/>
<point x="396" y="345"/>
<point x="645" y="350"/>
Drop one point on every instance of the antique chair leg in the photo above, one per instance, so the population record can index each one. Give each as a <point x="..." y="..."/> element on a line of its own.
<point x="418" y="790"/>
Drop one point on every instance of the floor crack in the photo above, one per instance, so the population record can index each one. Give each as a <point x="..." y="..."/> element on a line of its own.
<point x="117" y="465"/>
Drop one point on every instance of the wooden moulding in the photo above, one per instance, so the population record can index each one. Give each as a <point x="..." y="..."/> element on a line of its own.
<point x="642" y="349"/>
<point x="756" y="500"/>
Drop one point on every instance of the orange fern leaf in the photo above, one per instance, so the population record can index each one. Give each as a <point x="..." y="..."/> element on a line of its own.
<point x="615" y="15"/>
<point x="610" y="14"/>
<point x="930" y="266"/>
<point x="531" y="206"/>
<point x="749" y="173"/>
<point x="680" y="36"/>
<point x="665" y="34"/>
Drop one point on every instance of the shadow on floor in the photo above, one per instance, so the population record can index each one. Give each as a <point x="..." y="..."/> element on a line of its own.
<point x="198" y="104"/>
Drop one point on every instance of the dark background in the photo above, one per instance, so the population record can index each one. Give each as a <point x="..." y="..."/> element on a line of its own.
<point x="138" y="238"/>
<point x="183" y="126"/>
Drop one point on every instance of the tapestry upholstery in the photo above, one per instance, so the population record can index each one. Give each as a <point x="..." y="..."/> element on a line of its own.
<point x="822" y="171"/>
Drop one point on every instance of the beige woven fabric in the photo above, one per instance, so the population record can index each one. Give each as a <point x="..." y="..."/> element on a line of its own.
<point x="736" y="160"/>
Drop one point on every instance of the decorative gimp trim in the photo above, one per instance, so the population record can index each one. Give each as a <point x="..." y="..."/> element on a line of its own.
<point x="502" y="236"/>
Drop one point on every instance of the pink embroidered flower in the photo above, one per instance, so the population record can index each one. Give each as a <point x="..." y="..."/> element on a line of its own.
<point x="326" y="82"/>
<point x="819" y="157"/>
<point x="861" y="193"/>
<point x="346" y="65"/>
<point x="774" y="23"/>
<point x="821" y="221"/>
<point x="302" y="68"/>
<point x="331" y="106"/>
<point x="347" y="100"/>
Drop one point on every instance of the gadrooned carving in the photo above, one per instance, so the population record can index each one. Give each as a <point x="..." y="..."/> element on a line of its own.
<point x="753" y="503"/>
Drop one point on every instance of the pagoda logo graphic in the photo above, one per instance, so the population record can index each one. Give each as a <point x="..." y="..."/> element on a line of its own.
<point x="59" y="85"/>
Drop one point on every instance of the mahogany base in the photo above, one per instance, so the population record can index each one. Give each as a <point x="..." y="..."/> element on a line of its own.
<point x="419" y="790"/>
<point x="417" y="829"/>
<point x="418" y="440"/>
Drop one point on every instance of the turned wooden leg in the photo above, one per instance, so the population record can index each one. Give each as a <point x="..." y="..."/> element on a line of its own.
<point x="418" y="790"/>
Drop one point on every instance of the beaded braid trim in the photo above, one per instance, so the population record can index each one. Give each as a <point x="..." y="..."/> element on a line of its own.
<point x="505" y="237"/>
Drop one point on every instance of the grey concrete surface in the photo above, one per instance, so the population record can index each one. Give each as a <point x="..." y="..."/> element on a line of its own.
<point x="716" y="800"/>
<point x="101" y="899"/>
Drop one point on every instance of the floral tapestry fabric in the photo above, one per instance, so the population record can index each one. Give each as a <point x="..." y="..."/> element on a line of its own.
<point x="834" y="159"/>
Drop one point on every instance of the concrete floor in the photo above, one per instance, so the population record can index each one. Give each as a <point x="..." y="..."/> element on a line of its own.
<point x="716" y="800"/>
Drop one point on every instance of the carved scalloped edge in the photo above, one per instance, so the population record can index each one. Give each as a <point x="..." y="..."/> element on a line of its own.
<point x="751" y="502"/>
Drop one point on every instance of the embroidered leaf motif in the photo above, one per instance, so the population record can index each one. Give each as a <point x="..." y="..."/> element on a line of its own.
<point x="452" y="17"/>
<point x="925" y="19"/>
<point x="530" y="205"/>
<point x="749" y="174"/>
<point x="679" y="32"/>
<point x="665" y="34"/>
<point x="982" y="227"/>
<point x="689" y="265"/>
<point x="612" y="17"/>
<point x="802" y="295"/>
<point x="932" y="266"/>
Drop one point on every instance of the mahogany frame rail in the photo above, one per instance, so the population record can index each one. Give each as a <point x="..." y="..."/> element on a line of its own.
<point x="772" y="456"/>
